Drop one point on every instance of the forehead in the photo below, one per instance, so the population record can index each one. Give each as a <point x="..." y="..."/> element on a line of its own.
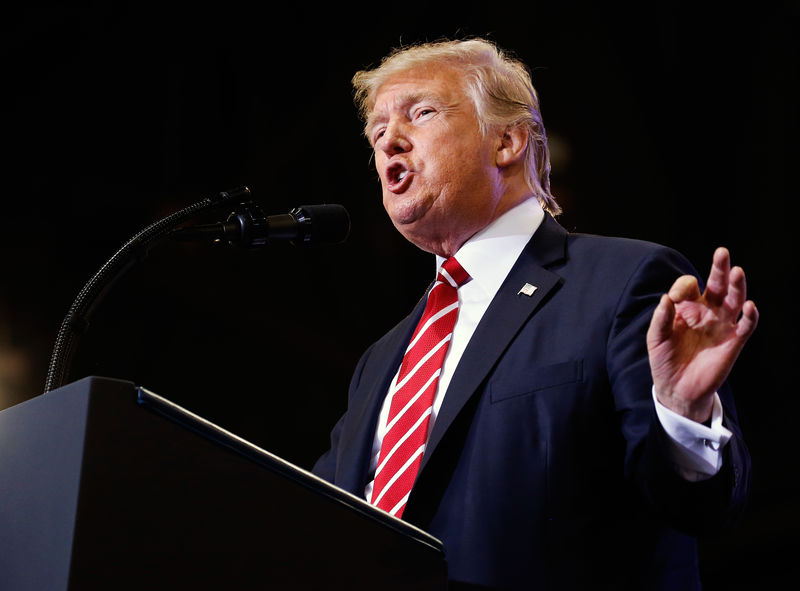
<point x="443" y="84"/>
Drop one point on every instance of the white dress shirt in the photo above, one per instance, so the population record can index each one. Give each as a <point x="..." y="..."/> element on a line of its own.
<point x="488" y="258"/>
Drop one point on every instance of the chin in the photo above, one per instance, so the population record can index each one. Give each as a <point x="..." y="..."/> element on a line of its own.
<point x="404" y="212"/>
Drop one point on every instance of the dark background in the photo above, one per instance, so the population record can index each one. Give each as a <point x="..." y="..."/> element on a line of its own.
<point x="668" y="122"/>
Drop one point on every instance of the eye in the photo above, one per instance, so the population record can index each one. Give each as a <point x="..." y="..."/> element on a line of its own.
<point x="378" y="134"/>
<point x="424" y="112"/>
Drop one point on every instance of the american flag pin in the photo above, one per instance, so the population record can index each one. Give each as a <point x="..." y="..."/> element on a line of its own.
<point x="527" y="289"/>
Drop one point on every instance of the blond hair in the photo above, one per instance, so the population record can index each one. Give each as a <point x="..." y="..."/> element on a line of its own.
<point x="500" y="88"/>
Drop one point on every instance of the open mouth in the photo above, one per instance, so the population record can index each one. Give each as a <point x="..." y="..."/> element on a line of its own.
<point x="398" y="177"/>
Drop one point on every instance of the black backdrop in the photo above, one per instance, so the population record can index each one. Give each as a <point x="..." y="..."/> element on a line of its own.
<point x="668" y="122"/>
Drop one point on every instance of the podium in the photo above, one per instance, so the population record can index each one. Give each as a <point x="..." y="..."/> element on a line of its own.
<point x="105" y="485"/>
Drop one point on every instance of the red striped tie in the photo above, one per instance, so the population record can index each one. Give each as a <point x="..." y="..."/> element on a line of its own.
<point x="412" y="402"/>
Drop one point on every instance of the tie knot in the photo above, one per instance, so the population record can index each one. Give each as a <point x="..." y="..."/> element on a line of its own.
<point x="454" y="273"/>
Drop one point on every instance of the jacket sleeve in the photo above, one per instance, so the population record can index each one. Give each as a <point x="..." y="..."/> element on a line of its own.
<point x="693" y="507"/>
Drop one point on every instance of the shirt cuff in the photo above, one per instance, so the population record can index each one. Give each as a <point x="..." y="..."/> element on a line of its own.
<point x="695" y="450"/>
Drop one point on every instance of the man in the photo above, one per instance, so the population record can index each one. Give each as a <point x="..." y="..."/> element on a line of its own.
<point x="570" y="427"/>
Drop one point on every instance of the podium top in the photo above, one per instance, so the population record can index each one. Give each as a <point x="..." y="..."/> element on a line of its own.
<point x="277" y="464"/>
<point x="101" y="478"/>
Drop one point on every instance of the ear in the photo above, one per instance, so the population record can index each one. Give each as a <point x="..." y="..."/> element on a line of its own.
<point x="512" y="146"/>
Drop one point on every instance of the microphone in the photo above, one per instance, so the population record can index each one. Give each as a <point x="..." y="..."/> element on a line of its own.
<point x="249" y="227"/>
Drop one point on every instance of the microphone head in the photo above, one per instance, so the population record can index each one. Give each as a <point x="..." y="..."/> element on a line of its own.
<point x="322" y="224"/>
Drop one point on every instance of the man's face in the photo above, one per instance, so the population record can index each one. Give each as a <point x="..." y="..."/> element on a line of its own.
<point x="438" y="173"/>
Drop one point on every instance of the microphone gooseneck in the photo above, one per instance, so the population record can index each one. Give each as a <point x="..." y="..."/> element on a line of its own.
<point x="77" y="319"/>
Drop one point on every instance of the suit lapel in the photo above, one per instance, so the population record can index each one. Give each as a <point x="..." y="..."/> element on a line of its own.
<point x="507" y="313"/>
<point x="358" y="433"/>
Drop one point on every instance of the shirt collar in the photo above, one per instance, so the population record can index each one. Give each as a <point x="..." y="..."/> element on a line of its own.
<point x="489" y="255"/>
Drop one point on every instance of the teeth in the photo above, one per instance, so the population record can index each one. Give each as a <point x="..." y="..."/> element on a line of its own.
<point x="402" y="175"/>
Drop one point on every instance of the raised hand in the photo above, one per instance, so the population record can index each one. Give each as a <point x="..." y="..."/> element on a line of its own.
<point x="694" y="339"/>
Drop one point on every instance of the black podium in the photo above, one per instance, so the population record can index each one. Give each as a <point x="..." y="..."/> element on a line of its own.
<point x="104" y="485"/>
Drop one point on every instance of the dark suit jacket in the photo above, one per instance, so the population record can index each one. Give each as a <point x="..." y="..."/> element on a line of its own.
<point x="547" y="467"/>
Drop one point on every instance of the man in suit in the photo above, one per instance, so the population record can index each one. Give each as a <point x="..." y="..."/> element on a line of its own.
<point x="579" y="431"/>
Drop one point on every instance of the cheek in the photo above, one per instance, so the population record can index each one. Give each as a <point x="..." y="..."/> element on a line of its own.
<point x="465" y="169"/>
<point x="378" y="164"/>
<point x="447" y="164"/>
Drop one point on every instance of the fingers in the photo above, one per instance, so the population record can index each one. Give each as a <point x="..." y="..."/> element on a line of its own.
<point x="727" y="287"/>
<point x="726" y="291"/>
<point x="748" y="322"/>
<point x="737" y="291"/>
<point x="719" y="277"/>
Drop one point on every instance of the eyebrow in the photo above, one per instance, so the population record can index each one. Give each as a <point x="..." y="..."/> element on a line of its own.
<point x="402" y="101"/>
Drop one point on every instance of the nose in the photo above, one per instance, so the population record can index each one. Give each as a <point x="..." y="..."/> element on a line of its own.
<point x="395" y="139"/>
